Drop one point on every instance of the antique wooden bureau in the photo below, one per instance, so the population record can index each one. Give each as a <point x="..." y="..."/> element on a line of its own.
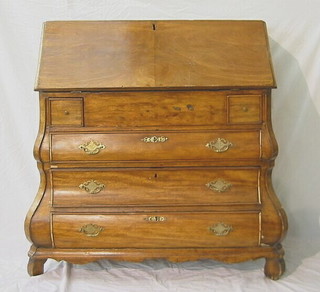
<point x="155" y="141"/>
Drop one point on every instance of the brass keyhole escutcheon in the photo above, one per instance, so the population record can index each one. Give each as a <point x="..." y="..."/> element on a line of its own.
<point x="155" y="218"/>
<point x="155" y="139"/>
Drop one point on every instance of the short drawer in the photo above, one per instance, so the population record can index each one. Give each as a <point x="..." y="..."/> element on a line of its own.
<point x="167" y="230"/>
<point x="244" y="109"/>
<point x="155" y="146"/>
<point x="65" y="111"/>
<point x="155" y="187"/>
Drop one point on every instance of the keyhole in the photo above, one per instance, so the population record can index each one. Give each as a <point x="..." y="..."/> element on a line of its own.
<point x="154" y="176"/>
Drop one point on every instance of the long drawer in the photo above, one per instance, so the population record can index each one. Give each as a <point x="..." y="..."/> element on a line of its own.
<point x="159" y="187"/>
<point x="133" y="146"/>
<point x="167" y="230"/>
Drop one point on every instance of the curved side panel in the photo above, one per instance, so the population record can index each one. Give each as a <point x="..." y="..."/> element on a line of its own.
<point x="274" y="220"/>
<point x="37" y="219"/>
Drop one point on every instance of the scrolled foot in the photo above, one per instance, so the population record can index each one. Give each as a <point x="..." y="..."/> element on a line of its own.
<point x="35" y="266"/>
<point x="274" y="268"/>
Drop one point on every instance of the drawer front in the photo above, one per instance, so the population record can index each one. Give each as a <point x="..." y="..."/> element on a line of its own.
<point x="66" y="111"/>
<point x="244" y="109"/>
<point x="155" y="187"/>
<point x="156" y="230"/>
<point x="129" y="109"/>
<point x="156" y="146"/>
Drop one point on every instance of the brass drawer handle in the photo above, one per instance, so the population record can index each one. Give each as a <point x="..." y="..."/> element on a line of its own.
<point x="155" y="139"/>
<point x="219" y="185"/>
<point x="92" y="186"/>
<point x="92" y="147"/>
<point x="155" y="218"/>
<point x="219" y="145"/>
<point x="91" y="230"/>
<point x="221" y="229"/>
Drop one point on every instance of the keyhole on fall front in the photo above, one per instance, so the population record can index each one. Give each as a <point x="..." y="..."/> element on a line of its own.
<point x="155" y="176"/>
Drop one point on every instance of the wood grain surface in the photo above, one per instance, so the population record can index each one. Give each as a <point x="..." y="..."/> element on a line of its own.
<point x="177" y="230"/>
<point x="160" y="187"/>
<point x="178" y="146"/>
<point x="154" y="54"/>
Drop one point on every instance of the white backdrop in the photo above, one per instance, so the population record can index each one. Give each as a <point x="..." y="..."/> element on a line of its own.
<point x="294" y="31"/>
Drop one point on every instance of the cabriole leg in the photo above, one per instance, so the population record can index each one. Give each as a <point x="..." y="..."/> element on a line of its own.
<point x="35" y="266"/>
